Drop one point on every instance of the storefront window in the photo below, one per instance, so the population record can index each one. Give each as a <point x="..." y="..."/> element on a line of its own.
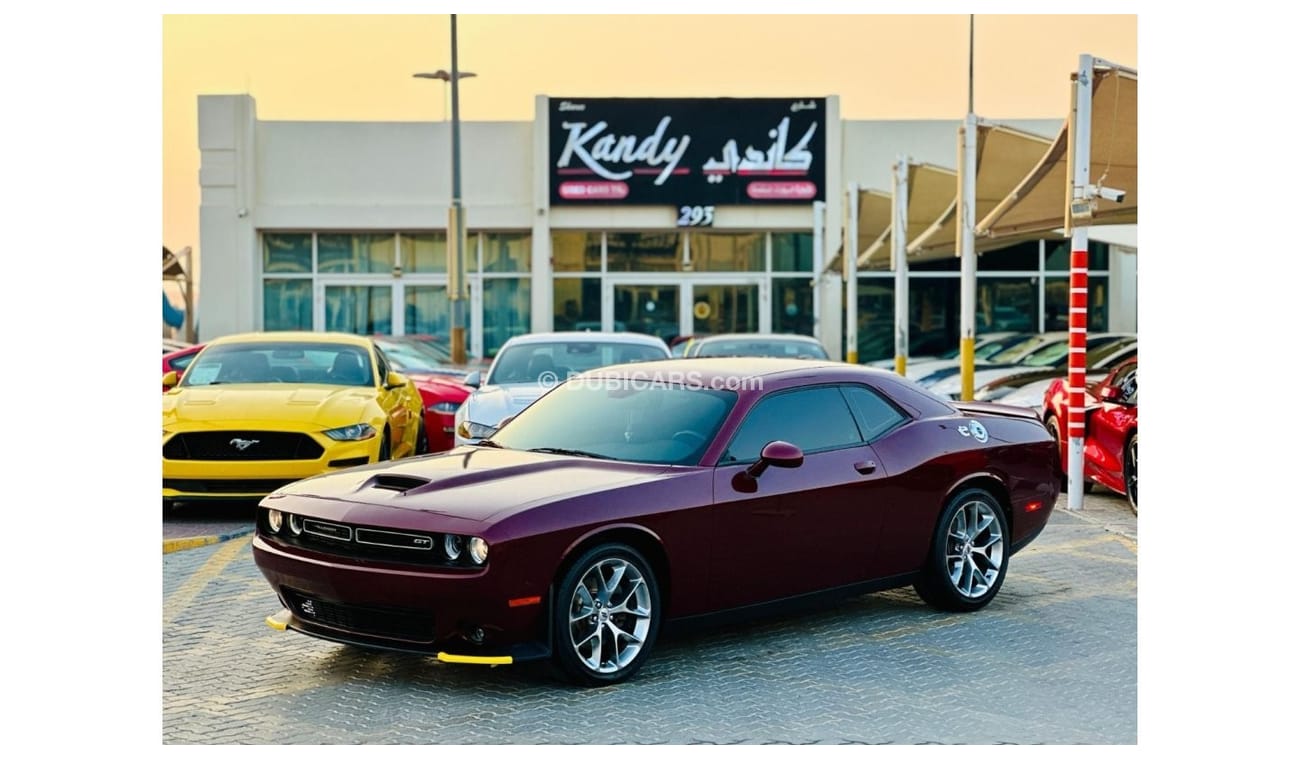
<point x="505" y="252"/>
<point x="286" y="305"/>
<point x="575" y="251"/>
<point x="428" y="311"/>
<point x="425" y="252"/>
<point x="725" y="309"/>
<point x="792" y="252"/>
<point x="1017" y="258"/>
<point x="1058" y="256"/>
<point x="1006" y="304"/>
<point x="727" y="251"/>
<point x="356" y="253"/>
<point x="792" y="306"/>
<point x="875" y="318"/>
<point x="644" y="251"/>
<point x="577" y="303"/>
<point x="507" y="311"/>
<point x="360" y="309"/>
<point x="1056" y="314"/>
<point x="286" y="253"/>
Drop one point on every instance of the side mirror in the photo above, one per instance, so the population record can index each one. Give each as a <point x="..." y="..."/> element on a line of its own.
<point x="776" y="454"/>
<point x="171" y="379"/>
<point x="473" y="379"/>
<point x="394" y="380"/>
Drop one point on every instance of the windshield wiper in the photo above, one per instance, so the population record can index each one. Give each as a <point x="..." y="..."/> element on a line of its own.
<point x="569" y="452"/>
<point x="489" y="444"/>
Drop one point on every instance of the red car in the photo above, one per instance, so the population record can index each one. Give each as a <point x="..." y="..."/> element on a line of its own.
<point x="1110" y="438"/>
<point x="440" y="384"/>
<point x="177" y="361"/>
<point x="666" y="492"/>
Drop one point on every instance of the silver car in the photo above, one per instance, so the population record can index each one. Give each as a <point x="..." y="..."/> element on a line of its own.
<point x="529" y="365"/>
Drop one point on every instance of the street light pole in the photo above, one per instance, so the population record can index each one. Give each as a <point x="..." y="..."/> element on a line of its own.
<point x="457" y="293"/>
<point x="445" y="77"/>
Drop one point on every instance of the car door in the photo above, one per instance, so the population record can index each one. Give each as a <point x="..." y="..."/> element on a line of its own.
<point x="792" y="531"/>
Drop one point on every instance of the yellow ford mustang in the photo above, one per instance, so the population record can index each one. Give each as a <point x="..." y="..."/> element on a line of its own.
<point x="256" y="411"/>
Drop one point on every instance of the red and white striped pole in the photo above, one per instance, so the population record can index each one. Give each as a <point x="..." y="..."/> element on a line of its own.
<point x="1081" y="199"/>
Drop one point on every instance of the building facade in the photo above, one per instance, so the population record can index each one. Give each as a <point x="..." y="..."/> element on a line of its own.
<point x="666" y="216"/>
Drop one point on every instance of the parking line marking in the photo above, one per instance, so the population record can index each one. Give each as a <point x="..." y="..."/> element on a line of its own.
<point x="181" y="598"/>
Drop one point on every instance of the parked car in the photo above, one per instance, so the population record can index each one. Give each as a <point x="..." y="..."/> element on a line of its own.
<point x="169" y="345"/>
<point x="1110" y="436"/>
<point x="177" y="361"/>
<point x="258" y="410"/>
<point x="629" y="498"/>
<point x="757" y="344"/>
<point x="1026" y="388"/>
<point x="986" y="345"/>
<point x="1050" y="355"/>
<point x="440" y="382"/>
<point x="529" y="365"/>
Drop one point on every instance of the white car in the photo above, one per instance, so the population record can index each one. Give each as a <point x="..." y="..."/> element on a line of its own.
<point x="1053" y="354"/>
<point x="986" y="345"/>
<point x="529" y="365"/>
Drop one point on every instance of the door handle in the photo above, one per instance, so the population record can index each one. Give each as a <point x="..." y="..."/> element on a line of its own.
<point x="866" y="468"/>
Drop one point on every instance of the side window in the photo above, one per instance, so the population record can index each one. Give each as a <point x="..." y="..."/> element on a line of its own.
<point x="814" y="419"/>
<point x="876" y="416"/>
<point x="1127" y="383"/>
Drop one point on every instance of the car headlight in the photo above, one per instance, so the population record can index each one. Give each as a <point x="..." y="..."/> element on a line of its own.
<point x="444" y="407"/>
<point x="467" y="429"/>
<point x="453" y="545"/>
<point x="295" y="525"/>
<point x="478" y="550"/>
<point x="274" y="520"/>
<point x="358" y="432"/>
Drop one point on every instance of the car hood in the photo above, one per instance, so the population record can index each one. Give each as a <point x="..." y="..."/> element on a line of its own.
<point x="315" y="404"/>
<point x="473" y="483"/>
<point x="492" y="403"/>
<point x="439" y="383"/>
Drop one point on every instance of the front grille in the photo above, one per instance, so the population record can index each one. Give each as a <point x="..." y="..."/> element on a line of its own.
<point x="411" y="625"/>
<point x="366" y="543"/>
<point x="242" y="446"/>
<point x="225" y="486"/>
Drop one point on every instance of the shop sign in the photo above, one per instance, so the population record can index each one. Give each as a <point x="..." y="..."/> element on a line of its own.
<point x="687" y="152"/>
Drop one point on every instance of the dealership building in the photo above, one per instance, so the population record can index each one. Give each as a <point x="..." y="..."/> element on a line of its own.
<point x="666" y="216"/>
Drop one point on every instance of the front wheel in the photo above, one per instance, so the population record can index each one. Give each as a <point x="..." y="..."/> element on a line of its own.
<point x="968" y="555"/>
<point x="385" y="447"/>
<point x="606" y="616"/>
<point x="1131" y="473"/>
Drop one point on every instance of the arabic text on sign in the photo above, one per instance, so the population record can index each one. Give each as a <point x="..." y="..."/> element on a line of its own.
<point x="775" y="161"/>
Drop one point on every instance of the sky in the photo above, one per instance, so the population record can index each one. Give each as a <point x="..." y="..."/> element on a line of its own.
<point x="94" y="90"/>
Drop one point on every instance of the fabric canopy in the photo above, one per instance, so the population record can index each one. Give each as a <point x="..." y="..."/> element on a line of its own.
<point x="1002" y="157"/>
<point x="929" y="191"/>
<point x="1039" y="203"/>
<point x="873" y="217"/>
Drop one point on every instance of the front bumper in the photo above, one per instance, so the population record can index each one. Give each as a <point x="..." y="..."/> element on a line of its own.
<point x="448" y="613"/>
<point x="198" y="479"/>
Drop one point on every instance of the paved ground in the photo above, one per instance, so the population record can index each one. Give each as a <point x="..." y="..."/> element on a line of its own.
<point x="1053" y="659"/>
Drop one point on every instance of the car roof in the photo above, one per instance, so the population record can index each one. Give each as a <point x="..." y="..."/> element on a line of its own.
<point x="573" y="336"/>
<point x="297" y="336"/>
<point x="757" y="336"/>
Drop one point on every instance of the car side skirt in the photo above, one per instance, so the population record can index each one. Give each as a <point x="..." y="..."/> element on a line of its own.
<point x="799" y="603"/>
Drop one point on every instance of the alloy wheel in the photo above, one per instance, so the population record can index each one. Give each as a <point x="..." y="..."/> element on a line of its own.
<point x="609" y="615"/>
<point x="974" y="549"/>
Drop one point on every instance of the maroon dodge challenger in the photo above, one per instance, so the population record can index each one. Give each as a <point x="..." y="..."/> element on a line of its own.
<point x="661" y="493"/>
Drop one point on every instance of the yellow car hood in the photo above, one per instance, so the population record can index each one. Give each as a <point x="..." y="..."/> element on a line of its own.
<point x="327" y="406"/>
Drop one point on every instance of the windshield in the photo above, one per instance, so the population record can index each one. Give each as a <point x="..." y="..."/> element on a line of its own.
<point x="629" y="420"/>
<point x="288" y="362"/>
<point x="415" y="355"/>
<point x="1054" y="354"/>
<point x="793" y="349"/>
<point x="547" y="362"/>
<point x="1013" y="352"/>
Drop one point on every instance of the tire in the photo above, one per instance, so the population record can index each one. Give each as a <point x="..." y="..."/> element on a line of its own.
<point x="421" y="440"/>
<point x="970" y="557"/>
<point x="594" y="646"/>
<point x="1131" y="473"/>
<point x="1054" y="428"/>
<point x="385" y="447"/>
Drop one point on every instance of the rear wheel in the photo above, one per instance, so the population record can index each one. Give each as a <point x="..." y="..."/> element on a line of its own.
<point x="1131" y="472"/>
<point x="968" y="555"/>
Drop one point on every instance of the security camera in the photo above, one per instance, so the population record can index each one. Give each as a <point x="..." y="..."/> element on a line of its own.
<point x="1111" y="194"/>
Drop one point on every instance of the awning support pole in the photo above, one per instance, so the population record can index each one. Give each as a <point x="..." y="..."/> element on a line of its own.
<point x="1081" y="158"/>
<point x="899" y="239"/>
<point x="851" y="276"/>
<point x="966" y="208"/>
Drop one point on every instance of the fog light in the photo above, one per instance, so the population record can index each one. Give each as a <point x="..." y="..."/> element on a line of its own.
<point x="274" y="520"/>
<point x="295" y="525"/>
<point x="478" y="550"/>
<point x="453" y="545"/>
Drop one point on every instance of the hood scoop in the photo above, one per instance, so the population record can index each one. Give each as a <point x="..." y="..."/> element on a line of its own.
<point x="399" y="483"/>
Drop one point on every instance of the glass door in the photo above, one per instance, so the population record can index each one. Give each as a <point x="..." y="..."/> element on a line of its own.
<point x="733" y="307"/>
<point x="652" y="309"/>
<point x="362" y="309"/>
